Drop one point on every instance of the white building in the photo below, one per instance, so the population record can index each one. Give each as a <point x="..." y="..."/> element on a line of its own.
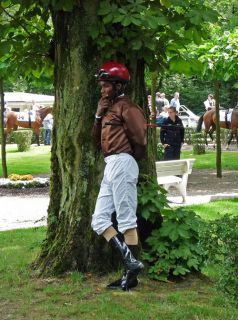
<point x="20" y="101"/>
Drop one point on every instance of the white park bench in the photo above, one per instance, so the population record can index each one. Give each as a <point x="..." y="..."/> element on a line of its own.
<point x="174" y="173"/>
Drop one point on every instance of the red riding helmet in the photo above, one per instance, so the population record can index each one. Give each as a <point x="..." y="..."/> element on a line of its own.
<point x="113" y="71"/>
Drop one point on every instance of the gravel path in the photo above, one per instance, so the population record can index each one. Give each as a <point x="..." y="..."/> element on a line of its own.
<point x="23" y="212"/>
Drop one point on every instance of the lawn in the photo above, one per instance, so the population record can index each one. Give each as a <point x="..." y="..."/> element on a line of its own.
<point x="35" y="161"/>
<point x="83" y="296"/>
<point x="215" y="209"/>
<point x="208" y="160"/>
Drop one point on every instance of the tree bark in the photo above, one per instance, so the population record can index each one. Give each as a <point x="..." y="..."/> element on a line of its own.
<point x="138" y="94"/>
<point x="3" y="134"/>
<point x="76" y="166"/>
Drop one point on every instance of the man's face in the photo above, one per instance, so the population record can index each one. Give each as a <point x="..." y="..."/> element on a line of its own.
<point x="107" y="89"/>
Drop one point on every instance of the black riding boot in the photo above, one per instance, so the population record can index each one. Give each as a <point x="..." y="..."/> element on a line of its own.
<point x="132" y="265"/>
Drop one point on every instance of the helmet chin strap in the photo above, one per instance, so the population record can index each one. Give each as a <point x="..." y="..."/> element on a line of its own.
<point x="120" y="91"/>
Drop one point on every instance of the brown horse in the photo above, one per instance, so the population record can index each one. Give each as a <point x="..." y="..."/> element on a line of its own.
<point x="13" y="122"/>
<point x="209" y="119"/>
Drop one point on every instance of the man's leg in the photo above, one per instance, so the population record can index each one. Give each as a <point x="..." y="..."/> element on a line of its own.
<point x="177" y="150"/>
<point x="125" y="200"/>
<point x="169" y="153"/>
<point x="132" y="265"/>
<point x="131" y="239"/>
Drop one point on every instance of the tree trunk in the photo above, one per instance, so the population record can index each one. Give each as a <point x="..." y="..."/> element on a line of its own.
<point x="3" y="135"/>
<point x="137" y="67"/>
<point x="218" y="131"/>
<point x="76" y="166"/>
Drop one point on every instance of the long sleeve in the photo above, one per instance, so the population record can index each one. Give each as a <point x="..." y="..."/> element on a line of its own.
<point x="182" y="132"/>
<point x="96" y="135"/>
<point x="134" y="124"/>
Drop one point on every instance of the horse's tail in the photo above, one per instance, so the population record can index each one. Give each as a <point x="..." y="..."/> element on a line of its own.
<point x="200" y="121"/>
<point x="29" y="119"/>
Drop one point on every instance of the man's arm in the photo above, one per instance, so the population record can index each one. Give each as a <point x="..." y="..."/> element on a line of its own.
<point x="96" y="132"/>
<point x="103" y="105"/>
<point x="135" y="130"/>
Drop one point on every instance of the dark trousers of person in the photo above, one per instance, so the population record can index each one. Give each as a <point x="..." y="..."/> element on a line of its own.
<point x="172" y="153"/>
<point x="47" y="139"/>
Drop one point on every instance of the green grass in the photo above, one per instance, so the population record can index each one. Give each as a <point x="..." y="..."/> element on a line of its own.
<point x="208" y="160"/>
<point x="215" y="209"/>
<point x="35" y="161"/>
<point x="78" y="296"/>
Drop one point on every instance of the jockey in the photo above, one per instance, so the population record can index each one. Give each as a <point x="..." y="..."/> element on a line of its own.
<point x="119" y="132"/>
<point x="209" y="103"/>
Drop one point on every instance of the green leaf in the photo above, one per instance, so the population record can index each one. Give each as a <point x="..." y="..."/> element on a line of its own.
<point x="4" y="48"/>
<point x="104" y="9"/>
<point x="165" y="3"/>
<point x="173" y="235"/>
<point x="145" y="214"/>
<point x="126" y="21"/>
<point x="153" y="22"/>
<point x="235" y="85"/>
<point x="94" y="32"/>
<point x="136" y="44"/>
<point x="180" y="270"/>
<point x="107" y="19"/>
<point x="183" y="233"/>
<point x="196" y="37"/>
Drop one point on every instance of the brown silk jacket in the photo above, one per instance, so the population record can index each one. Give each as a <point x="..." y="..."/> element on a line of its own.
<point x="121" y="129"/>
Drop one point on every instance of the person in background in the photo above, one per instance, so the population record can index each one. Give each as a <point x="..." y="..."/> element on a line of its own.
<point x="172" y="135"/>
<point x="162" y="116"/>
<point x="158" y="102"/>
<point x="48" y="125"/>
<point x="119" y="132"/>
<point x="166" y="101"/>
<point x="175" y="101"/>
<point x="210" y="103"/>
<point x="5" y="112"/>
<point x="35" y="106"/>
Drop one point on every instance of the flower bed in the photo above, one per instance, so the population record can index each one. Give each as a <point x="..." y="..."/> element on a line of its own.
<point x="34" y="183"/>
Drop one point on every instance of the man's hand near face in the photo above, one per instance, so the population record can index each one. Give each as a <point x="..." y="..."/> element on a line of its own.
<point x="103" y="105"/>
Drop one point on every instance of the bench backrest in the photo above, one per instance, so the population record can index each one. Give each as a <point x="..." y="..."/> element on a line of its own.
<point x="174" y="167"/>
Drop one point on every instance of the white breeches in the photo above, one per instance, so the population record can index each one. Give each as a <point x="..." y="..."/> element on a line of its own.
<point x="118" y="193"/>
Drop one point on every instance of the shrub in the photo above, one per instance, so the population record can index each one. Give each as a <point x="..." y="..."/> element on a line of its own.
<point x="159" y="147"/>
<point x="41" y="136"/>
<point x="23" y="139"/>
<point x="220" y="243"/>
<point x="174" y="248"/>
<point x="188" y="132"/>
<point x="151" y="200"/>
<point x="159" y="152"/>
<point x="198" y="143"/>
<point x="224" y="135"/>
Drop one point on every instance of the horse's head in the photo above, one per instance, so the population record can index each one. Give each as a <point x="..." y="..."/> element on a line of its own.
<point x="44" y="111"/>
